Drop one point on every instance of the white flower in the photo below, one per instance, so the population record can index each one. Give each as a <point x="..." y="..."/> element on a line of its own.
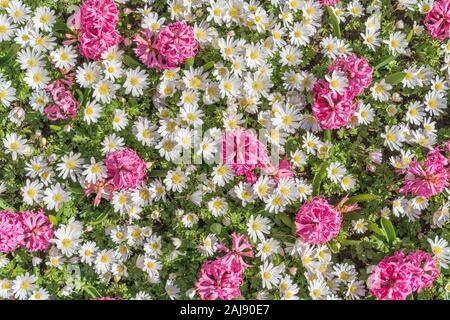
<point x="55" y="196"/>
<point x="136" y="82"/>
<point x="31" y="192"/>
<point x="270" y="274"/>
<point x="258" y="227"/>
<point x="6" y="28"/>
<point x="23" y="285"/>
<point x="15" y="145"/>
<point x="105" y="91"/>
<point x="397" y="43"/>
<point x="44" y="18"/>
<point x="64" y="57"/>
<point x="175" y="180"/>
<point x="92" y="112"/>
<point x="120" y="120"/>
<point x="337" y="81"/>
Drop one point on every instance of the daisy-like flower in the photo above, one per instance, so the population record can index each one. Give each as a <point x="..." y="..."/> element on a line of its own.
<point x="218" y="206"/>
<point x="120" y="120"/>
<point x="55" y="196"/>
<point x="270" y="274"/>
<point x="7" y="92"/>
<point x="337" y="81"/>
<point x="18" y="12"/>
<point x="136" y="82"/>
<point x="380" y="90"/>
<point x="37" y="78"/>
<point x="6" y="28"/>
<point x="392" y="138"/>
<point x="336" y="171"/>
<point x="15" y="145"/>
<point x="31" y="192"/>
<point x="105" y="91"/>
<point x="318" y="289"/>
<point x="64" y="57"/>
<point x="92" y="112"/>
<point x="257" y="227"/>
<point x="94" y="171"/>
<point x="175" y="180"/>
<point x="397" y="43"/>
<point x="44" y="18"/>
<point x="441" y="250"/>
<point x="70" y="166"/>
<point x="145" y="131"/>
<point x="23" y="286"/>
<point x="267" y="248"/>
<point x="88" y="74"/>
<point x="359" y="226"/>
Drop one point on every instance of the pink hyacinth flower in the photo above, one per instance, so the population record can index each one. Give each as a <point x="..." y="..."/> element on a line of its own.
<point x="218" y="281"/>
<point x="37" y="230"/>
<point x="331" y="109"/>
<point x="437" y="21"/>
<point x="125" y="169"/>
<point x="317" y="222"/>
<point x="11" y="231"/>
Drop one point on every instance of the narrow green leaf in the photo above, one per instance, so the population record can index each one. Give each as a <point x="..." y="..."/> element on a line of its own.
<point x="189" y="63"/>
<point x="208" y="65"/>
<point x="318" y="177"/>
<point x="334" y="21"/>
<point x="5" y="205"/>
<point x="410" y="35"/>
<point x="385" y="62"/>
<point x="347" y="242"/>
<point x="91" y="291"/>
<point x="395" y="78"/>
<point x="286" y="220"/>
<point x="157" y="173"/>
<point x="374" y="227"/>
<point x="327" y="135"/>
<point x="362" y="198"/>
<point x="389" y="231"/>
<point x="53" y="219"/>
<point x="9" y="56"/>
<point x="130" y="61"/>
<point x="55" y="127"/>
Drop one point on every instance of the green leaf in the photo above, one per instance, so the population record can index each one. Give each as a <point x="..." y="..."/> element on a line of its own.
<point x="389" y="231"/>
<point x="385" y="62"/>
<point x="130" y="61"/>
<point x="395" y="78"/>
<point x="362" y="198"/>
<point x="286" y="220"/>
<point x="189" y="63"/>
<point x="410" y="35"/>
<point x="208" y="65"/>
<point x="10" y="54"/>
<point x="334" y="246"/>
<point x="374" y="227"/>
<point x="347" y="242"/>
<point x="91" y="291"/>
<point x="55" y="127"/>
<point x="334" y="21"/>
<point x="53" y="219"/>
<point x="5" y="205"/>
<point x="318" y="177"/>
<point x="327" y="135"/>
<point x="157" y="173"/>
<point x="216" y="228"/>
<point x="100" y="218"/>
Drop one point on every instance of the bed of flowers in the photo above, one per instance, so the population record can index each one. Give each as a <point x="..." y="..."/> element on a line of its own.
<point x="229" y="149"/>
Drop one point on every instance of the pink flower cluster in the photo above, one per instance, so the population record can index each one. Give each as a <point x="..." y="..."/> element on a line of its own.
<point x="64" y="105"/>
<point x="125" y="169"/>
<point x="244" y="152"/>
<point x="397" y="276"/>
<point x="437" y="20"/>
<point x="317" y="222"/>
<point x="223" y="277"/>
<point x="98" y="20"/>
<point x="28" y="229"/>
<point x="429" y="179"/>
<point x="332" y="109"/>
<point x="168" y="48"/>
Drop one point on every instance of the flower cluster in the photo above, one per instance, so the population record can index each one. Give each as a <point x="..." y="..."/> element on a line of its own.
<point x="64" y="105"/>
<point x="395" y="277"/>
<point x="437" y="20"/>
<point x="221" y="278"/>
<point x="317" y="222"/>
<point x="168" y="48"/>
<point x="124" y="169"/>
<point x="32" y="230"/>
<point x="98" y="21"/>
<point x="428" y="179"/>
<point x="333" y="105"/>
